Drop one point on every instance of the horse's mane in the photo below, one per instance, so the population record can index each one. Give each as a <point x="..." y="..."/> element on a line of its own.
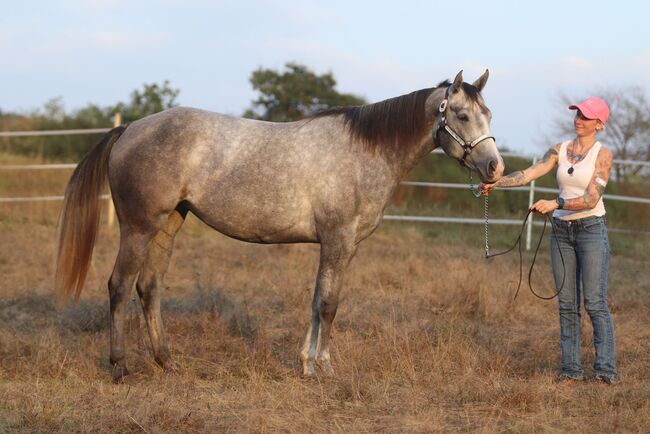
<point x="398" y="121"/>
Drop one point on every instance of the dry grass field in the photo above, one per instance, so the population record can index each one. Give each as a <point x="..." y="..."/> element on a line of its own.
<point x="427" y="339"/>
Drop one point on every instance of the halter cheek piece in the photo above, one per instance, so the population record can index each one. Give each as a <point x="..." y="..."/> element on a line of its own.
<point x="467" y="146"/>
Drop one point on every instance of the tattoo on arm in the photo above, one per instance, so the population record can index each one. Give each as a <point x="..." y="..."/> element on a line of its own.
<point x="577" y="204"/>
<point x="588" y="200"/>
<point x="523" y="177"/>
<point x="597" y="186"/>
<point x="513" y="180"/>
<point x="543" y="166"/>
<point x="550" y="153"/>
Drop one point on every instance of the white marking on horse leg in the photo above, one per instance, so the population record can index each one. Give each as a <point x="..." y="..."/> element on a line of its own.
<point x="310" y="347"/>
<point x="327" y="311"/>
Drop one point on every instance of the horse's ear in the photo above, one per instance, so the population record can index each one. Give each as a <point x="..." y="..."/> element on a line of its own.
<point x="458" y="81"/>
<point x="480" y="83"/>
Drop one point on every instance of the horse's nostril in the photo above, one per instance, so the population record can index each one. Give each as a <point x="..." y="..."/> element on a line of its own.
<point x="492" y="168"/>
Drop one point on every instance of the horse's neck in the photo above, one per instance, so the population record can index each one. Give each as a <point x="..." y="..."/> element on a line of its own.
<point x="409" y="156"/>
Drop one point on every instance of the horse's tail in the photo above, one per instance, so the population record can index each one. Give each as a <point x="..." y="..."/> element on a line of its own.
<point x="79" y="218"/>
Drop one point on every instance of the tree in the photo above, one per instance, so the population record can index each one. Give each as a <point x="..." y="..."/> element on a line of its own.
<point x="154" y="98"/>
<point x="294" y="94"/>
<point x="627" y="131"/>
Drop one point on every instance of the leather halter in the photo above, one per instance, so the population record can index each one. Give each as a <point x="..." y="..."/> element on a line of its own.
<point x="468" y="146"/>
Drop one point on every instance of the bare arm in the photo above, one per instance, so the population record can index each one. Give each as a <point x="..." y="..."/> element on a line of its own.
<point x="523" y="177"/>
<point x="596" y="187"/>
<point x="541" y="168"/>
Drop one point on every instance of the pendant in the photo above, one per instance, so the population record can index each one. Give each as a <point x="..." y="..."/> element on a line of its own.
<point x="570" y="170"/>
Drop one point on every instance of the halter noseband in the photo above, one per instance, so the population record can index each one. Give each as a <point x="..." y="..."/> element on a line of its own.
<point x="468" y="146"/>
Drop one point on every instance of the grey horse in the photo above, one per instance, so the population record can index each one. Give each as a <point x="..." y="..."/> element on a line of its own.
<point x="325" y="179"/>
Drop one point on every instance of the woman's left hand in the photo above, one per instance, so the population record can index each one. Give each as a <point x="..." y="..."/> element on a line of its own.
<point x="544" y="206"/>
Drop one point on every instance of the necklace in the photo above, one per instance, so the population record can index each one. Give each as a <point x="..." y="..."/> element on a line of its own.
<point x="575" y="158"/>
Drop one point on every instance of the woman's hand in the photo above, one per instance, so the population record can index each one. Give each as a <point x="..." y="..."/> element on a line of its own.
<point x="485" y="188"/>
<point x="544" y="206"/>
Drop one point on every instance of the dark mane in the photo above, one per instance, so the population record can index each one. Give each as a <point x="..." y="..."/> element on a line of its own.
<point x="394" y="122"/>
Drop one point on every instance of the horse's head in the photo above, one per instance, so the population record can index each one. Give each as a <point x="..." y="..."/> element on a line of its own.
<point x="463" y="128"/>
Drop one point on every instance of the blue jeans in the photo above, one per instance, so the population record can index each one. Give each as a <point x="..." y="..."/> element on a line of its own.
<point x="585" y="249"/>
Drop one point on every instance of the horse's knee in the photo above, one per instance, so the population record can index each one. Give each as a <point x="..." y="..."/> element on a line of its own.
<point x="328" y="306"/>
<point x="117" y="293"/>
<point x="146" y="286"/>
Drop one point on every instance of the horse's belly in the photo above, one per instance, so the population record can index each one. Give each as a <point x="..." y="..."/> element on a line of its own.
<point x="257" y="220"/>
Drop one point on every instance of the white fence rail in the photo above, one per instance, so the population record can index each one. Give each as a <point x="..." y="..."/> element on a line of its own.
<point x="37" y="166"/>
<point x="53" y="132"/>
<point x="430" y="219"/>
<point x="525" y="188"/>
<point x="528" y="157"/>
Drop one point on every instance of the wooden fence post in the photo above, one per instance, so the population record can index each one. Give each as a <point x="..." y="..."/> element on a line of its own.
<point x="111" y="209"/>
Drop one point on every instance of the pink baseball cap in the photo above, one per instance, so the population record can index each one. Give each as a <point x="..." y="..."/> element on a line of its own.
<point x="593" y="108"/>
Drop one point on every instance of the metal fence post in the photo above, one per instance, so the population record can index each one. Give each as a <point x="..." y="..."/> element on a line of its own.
<point x="117" y="121"/>
<point x="529" y="224"/>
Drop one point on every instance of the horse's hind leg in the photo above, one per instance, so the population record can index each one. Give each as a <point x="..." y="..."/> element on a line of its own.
<point x="337" y="249"/>
<point x="149" y="286"/>
<point x="131" y="256"/>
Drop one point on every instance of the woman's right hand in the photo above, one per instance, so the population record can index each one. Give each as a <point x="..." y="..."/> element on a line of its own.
<point x="486" y="188"/>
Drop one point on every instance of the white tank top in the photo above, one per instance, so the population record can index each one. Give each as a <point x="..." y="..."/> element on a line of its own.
<point x="575" y="184"/>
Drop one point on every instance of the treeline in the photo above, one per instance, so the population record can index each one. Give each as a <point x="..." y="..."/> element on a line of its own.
<point x="152" y="98"/>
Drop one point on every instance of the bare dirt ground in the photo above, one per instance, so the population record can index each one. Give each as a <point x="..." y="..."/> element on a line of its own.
<point x="427" y="339"/>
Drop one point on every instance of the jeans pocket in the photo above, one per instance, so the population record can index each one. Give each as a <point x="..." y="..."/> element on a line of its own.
<point x="593" y="227"/>
<point x="557" y="226"/>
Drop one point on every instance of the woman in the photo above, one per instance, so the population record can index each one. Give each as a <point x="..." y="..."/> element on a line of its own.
<point x="583" y="169"/>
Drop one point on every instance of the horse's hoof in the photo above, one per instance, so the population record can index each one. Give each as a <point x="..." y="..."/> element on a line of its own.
<point x="119" y="373"/>
<point x="169" y="366"/>
<point x="308" y="370"/>
<point x="326" y="368"/>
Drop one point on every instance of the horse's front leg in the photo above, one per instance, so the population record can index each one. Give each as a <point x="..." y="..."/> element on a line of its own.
<point x="336" y="252"/>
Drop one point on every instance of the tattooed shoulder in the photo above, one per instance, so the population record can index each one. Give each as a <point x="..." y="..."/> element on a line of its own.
<point x="605" y="155"/>
<point x="549" y="154"/>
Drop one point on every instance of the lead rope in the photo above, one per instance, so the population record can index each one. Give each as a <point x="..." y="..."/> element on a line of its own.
<point x="518" y="243"/>
<point x="485" y="212"/>
<point x="477" y="193"/>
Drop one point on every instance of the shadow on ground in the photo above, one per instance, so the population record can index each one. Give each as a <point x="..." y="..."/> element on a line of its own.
<point x="32" y="311"/>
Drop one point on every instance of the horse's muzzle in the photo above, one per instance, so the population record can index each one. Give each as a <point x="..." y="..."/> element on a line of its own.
<point x="493" y="171"/>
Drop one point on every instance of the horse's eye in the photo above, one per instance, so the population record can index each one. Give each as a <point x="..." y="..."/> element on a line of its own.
<point x="463" y="117"/>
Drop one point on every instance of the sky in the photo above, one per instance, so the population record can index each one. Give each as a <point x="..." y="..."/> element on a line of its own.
<point x="99" y="51"/>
